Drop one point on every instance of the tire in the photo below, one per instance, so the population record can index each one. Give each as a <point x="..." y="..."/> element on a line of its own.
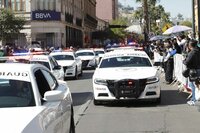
<point x="96" y="102"/>
<point x="72" y="125"/>
<point x="81" y="74"/>
<point x="76" y="74"/>
<point x="158" y="100"/>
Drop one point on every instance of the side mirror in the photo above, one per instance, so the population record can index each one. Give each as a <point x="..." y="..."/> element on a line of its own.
<point x="54" y="95"/>
<point x="57" y="67"/>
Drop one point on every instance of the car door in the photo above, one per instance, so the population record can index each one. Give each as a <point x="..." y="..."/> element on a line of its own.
<point x="78" y="62"/>
<point x="58" y="73"/>
<point x="51" y="116"/>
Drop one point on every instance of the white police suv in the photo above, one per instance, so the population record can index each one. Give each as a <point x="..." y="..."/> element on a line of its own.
<point x="71" y="64"/>
<point x="88" y="58"/>
<point x="32" y="100"/>
<point x="126" y="74"/>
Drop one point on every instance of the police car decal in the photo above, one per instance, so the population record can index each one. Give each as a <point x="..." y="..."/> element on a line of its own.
<point x="24" y="76"/>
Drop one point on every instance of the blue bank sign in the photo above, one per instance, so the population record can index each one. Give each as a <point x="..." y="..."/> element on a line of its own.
<point x="46" y="15"/>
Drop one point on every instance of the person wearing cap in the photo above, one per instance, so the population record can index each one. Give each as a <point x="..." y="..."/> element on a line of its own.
<point x="192" y="61"/>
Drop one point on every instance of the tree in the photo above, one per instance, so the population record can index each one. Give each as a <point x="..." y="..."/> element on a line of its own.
<point x="154" y="13"/>
<point x="119" y="32"/>
<point x="186" y="23"/>
<point x="9" y="24"/>
<point x="180" y="17"/>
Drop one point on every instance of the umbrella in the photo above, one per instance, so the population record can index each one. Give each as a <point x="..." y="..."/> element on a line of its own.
<point x="176" y="29"/>
<point x="158" y="37"/>
<point x="134" y="28"/>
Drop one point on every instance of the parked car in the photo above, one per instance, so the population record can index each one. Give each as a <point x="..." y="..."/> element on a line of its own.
<point x="99" y="52"/>
<point x="50" y="63"/>
<point x="72" y="65"/>
<point x="88" y="58"/>
<point x="33" y="100"/>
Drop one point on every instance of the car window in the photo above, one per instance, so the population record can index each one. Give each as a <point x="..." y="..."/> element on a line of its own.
<point x="50" y="79"/>
<point x="63" y="57"/>
<point x="46" y="64"/>
<point x="53" y="62"/>
<point x="99" y="52"/>
<point x="16" y="93"/>
<point x="42" y="83"/>
<point x="85" y="54"/>
<point x="125" y="61"/>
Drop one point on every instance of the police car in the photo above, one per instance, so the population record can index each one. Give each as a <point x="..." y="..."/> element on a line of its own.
<point x="71" y="64"/>
<point x="99" y="52"/>
<point x="32" y="100"/>
<point x="50" y="63"/>
<point x="88" y="58"/>
<point x="125" y="74"/>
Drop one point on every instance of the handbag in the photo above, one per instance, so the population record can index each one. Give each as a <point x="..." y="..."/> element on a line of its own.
<point x="194" y="74"/>
<point x="186" y="72"/>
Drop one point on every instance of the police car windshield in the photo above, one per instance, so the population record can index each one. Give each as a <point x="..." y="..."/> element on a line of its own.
<point x="125" y="61"/>
<point x="16" y="93"/>
<point x="63" y="57"/>
<point x="46" y="64"/>
<point x="99" y="52"/>
<point x="85" y="54"/>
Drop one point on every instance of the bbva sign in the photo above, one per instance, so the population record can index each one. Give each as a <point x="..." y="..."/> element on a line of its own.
<point x="45" y="15"/>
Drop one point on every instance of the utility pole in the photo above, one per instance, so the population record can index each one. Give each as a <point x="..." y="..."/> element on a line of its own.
<point x="193" y="19"/>
<point x="146" y="20"/>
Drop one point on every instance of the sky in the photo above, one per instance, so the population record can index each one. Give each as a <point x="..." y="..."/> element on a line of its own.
<point x="183" y="7"/>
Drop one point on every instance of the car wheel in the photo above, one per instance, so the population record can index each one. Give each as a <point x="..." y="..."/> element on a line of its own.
<point x="96" y="102"/>
<point x="81" y="74"/>
<point x="72" y="125"/>
<point x="158" y="100"/>
<point x="76" y="74"/>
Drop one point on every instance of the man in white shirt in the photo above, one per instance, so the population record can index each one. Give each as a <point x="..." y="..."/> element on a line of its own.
<point x="181" y="41"/>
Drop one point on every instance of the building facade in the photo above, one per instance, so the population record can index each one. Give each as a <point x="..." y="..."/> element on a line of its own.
<point x="22" y="9"/>
<point x="196" y="18"/>
<point x="107" y="9"/>
<point x="58" y="23"/>
<point x="90" y="21"/>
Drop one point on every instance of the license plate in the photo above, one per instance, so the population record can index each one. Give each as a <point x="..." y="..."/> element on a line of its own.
<point x="126" y="91"/>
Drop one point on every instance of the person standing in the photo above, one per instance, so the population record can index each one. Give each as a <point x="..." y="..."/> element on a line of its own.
<point x="192" y="61"/>
<point x="169" y="62"/>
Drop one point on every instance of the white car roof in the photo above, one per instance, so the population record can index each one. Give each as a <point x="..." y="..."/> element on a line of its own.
<point x="99" y="49"/>
<point x="20" y="72"/>
<point x="85" y="50"/>
<point x="44" y="58"/>
<point x="62" y="53"/>
<point x="125" y="52"/>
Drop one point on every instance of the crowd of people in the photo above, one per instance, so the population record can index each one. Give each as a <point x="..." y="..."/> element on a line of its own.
<point x="163" y="54"/>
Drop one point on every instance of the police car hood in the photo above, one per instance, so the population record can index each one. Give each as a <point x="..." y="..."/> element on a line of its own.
<point x="86" y="57"/>
<point x="125" y="73"/>
<point x="66" y="62"/>
<point x="16" y="120"/>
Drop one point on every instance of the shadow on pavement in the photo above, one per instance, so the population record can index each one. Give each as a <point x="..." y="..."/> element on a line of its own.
<point x="81" y="97"/>
<point x="87" y="74"/>
<point x="168" y="97"/>
<point x="173" y="97"/>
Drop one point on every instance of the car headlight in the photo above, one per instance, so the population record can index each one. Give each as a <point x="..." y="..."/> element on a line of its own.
<point x="100" y="81"/>
<point x="92" y="61"/>
<point x="152" y="80"/>
<point x="71" y="67"/>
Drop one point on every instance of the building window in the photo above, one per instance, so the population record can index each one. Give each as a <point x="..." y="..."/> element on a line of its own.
<point x="18" y="5"/>
<point x="45" y="4"/>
